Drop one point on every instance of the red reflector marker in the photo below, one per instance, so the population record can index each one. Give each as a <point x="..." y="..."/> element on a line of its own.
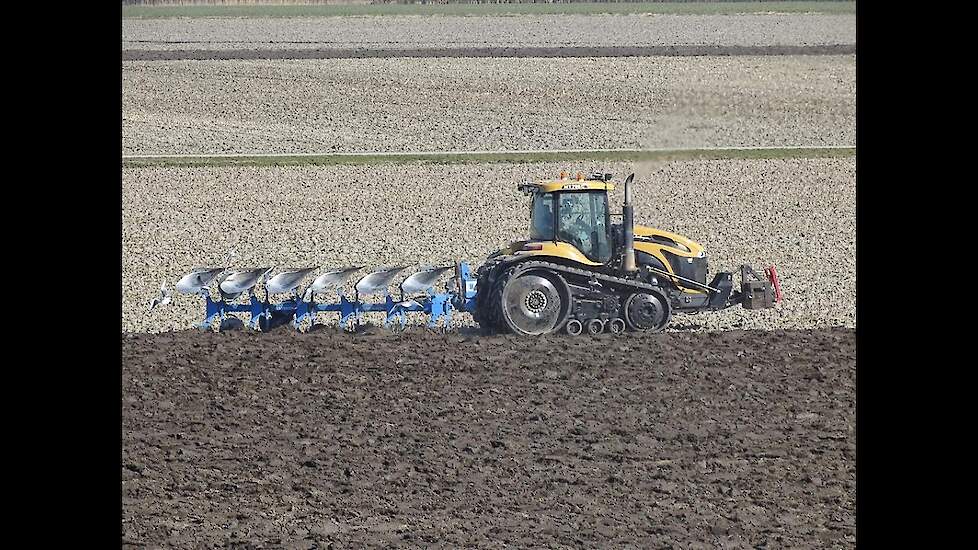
<point x="772" y="275"/>
<point x="533" y="246"/>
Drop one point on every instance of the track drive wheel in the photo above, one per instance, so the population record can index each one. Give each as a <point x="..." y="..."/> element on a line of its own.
<point x="647" y="311"/>
<point x="535" y="302"/>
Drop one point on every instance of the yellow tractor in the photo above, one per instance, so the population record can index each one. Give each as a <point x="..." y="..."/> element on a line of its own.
<point x="579" y="272"/>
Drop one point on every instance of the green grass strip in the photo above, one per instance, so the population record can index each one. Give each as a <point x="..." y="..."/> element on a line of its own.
<point x="488" y="157"/>
<point x="584" y="8"/>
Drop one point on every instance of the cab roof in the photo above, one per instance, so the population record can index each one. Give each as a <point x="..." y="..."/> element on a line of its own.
<point x="567" y="184"/>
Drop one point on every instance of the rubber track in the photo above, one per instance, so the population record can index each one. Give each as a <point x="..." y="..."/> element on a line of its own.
<point x="493" y="301"/>
<point x="619" y="281"/>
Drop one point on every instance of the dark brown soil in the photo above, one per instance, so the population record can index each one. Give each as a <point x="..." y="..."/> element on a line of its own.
<point x="573" y="51"/>
<point x="737" y="439"/>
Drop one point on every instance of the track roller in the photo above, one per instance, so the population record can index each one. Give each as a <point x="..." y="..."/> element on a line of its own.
<point x="647" y="311"/>
<point x="595" y="326"/>
<point x="617" y="325"/>
<point x="574" y="327"/>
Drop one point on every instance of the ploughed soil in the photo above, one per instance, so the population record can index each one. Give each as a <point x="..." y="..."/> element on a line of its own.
<point x="568" y="51"/>
<point x="735" y="439"/>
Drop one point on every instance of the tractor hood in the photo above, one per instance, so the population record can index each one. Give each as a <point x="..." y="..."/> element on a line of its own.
<point x="666" y="238"/>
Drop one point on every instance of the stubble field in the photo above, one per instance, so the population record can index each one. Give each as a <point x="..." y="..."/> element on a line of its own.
<point x="798" y="214"/>
<point x="220" y="107"/>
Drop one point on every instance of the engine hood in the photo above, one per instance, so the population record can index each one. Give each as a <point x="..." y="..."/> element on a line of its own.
<point x="672" y="240"/>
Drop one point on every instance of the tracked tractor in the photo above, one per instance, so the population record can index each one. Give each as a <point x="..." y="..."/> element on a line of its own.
<point x="576" y="272"/>
<point x="579" y="272"/>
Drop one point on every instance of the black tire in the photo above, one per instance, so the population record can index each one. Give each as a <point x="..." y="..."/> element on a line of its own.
<point x="494" y="318"/>
<point x="491" y="280"/>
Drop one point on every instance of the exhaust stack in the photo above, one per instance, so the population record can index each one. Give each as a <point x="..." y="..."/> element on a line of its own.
<point x="628" y="224"/>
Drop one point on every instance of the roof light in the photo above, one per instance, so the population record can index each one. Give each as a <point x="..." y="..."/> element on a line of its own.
<point x="580" y="176"/>
<point x="563" y="175"/>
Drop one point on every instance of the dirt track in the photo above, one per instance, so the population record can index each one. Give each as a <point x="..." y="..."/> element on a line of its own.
<point x="582" y="51"/>
<point x="736" y="439"/>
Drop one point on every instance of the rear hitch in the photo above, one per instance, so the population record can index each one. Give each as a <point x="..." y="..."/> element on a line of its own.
<point x="721" y="298"/>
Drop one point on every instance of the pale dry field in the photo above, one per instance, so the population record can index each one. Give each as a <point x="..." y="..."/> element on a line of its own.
<point x="473" y="31"/>
<point x="349" y="105"/>
<point x="797" y="214"/>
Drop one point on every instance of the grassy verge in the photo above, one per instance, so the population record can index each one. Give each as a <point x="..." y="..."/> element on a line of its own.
<point x="495" y="157"/>
<point x="679" y="8"/>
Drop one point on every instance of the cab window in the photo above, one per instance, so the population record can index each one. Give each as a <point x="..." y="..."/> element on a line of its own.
<point x="542" y="217"/>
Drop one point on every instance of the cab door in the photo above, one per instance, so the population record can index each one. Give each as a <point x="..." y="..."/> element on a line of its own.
<point x="583" y="221"/>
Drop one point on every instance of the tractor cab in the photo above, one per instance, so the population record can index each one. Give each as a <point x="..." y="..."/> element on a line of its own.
<point x="575" y="212"/>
